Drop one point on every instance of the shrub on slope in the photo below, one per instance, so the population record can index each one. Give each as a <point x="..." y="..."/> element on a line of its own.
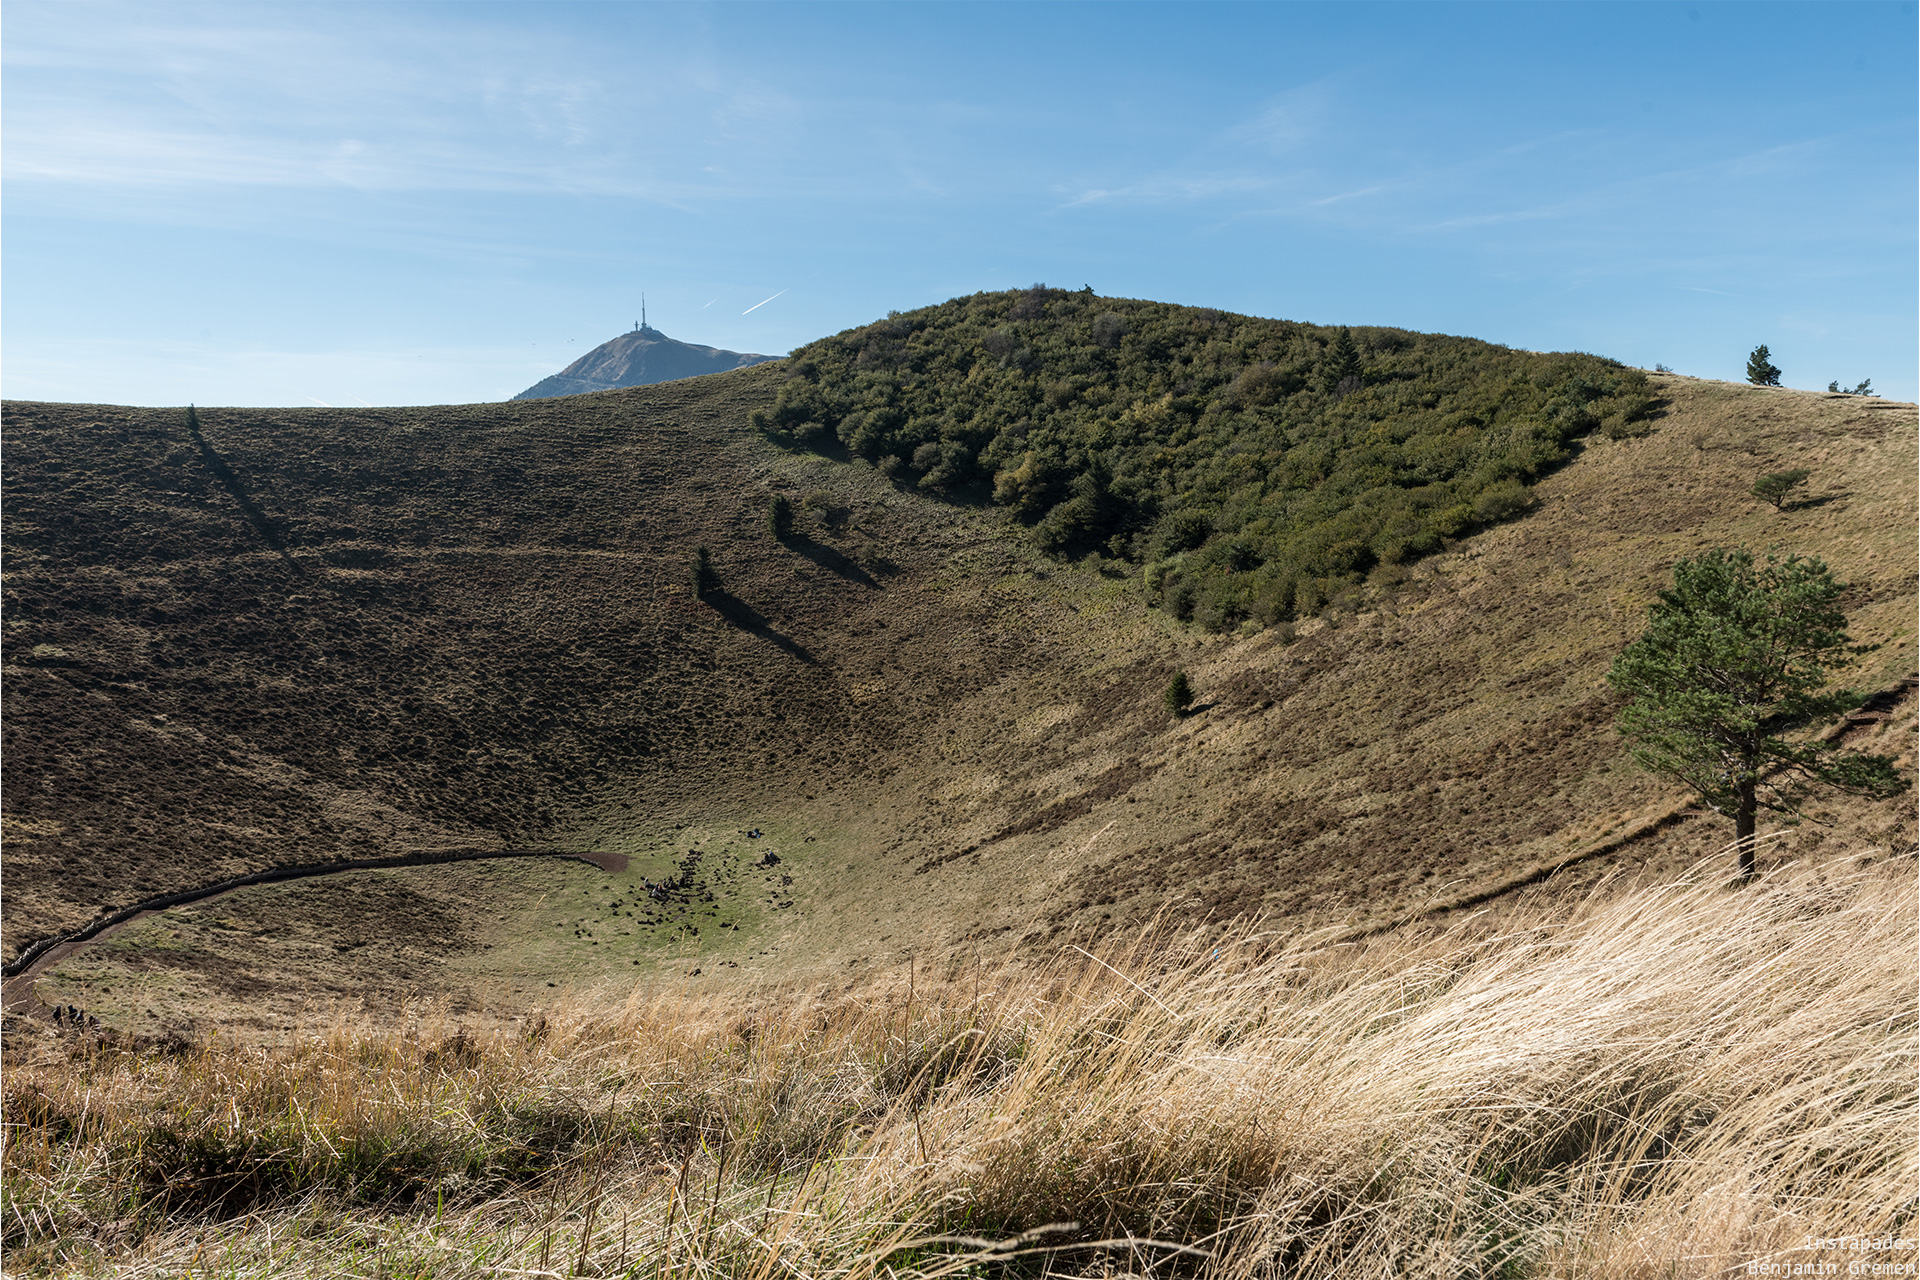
<point x="1264" y="464"/>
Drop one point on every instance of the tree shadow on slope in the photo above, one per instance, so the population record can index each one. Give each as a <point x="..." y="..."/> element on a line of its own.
<point x="234" y="487"/>
<point x="829" y="558"/>
<point x="747" y="618"/>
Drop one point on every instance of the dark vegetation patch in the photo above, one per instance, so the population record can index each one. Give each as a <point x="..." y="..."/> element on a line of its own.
<point x="1258" y="468"/>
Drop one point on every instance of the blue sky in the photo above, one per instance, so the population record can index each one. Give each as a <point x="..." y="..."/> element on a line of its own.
<point x="429" y="203"/>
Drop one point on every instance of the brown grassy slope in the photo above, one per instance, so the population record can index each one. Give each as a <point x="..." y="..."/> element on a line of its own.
<point x="481" y="632"/>
<point x="479" y="624"/>
<point x="1454" y="735"/>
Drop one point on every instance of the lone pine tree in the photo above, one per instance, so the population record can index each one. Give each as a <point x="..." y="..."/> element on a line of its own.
<point x="1179" y="694"/>
<point x="1761" y="371"/>
<point x="1735" y="656"/>
<point x="704" y="578"/>
<point x="780" y="518"/>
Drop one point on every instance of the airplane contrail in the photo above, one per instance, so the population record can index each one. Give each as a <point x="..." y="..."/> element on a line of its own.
<point x="709" y="304"/>
<point x="363" y="402"/>
<point x="763" y="302"/>
<point x="322" y="403"/>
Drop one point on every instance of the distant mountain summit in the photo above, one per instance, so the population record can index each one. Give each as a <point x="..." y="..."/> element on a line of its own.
<point x="635" y="359"/>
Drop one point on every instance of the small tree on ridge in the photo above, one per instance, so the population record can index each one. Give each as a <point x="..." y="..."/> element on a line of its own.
<point x="1341" y="371"/>
<point x="1761" y="371"/>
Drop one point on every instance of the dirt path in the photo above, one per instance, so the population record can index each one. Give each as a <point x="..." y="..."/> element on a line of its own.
<point x="16" y="988"/>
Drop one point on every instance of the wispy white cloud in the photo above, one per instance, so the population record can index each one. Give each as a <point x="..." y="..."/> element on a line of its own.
<point x="1177" y="188"/>
<point x="1341" y="197"/>
<point x="1496" y="218"/>
<point x="1271" y="150"/>
<point x="1288" y="122"/>
<point x="305" y="96"/>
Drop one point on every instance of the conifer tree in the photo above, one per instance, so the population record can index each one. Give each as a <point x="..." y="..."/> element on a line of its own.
<point x="780" y="518"/>
<point x="1761" y="371"/>
<point x="1734" y="658"/>
<point x="704" y="578"/>
<point x="1179" y="694"/>
<point x="1343" y="361"/>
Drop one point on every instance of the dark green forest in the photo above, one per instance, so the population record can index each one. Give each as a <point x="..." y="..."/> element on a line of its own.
<point x="1256" y="468"/>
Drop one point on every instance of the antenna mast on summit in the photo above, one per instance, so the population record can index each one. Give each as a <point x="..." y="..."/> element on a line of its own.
<point x="643" y="311"/>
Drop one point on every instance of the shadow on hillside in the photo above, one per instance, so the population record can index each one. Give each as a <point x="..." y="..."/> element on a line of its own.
<point x="828" y="558"/>
<point x="1807" y="504"/>
<point x="248" y="507"/>
<point x="747" y="618"/>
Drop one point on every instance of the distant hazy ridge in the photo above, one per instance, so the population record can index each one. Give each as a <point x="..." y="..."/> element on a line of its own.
<point x="636" y="359"/>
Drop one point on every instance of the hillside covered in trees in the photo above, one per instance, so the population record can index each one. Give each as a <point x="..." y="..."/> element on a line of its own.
<point x="1257" y="468"/>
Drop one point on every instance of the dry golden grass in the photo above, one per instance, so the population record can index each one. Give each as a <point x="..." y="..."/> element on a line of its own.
<point x="1668" y="1081"/>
